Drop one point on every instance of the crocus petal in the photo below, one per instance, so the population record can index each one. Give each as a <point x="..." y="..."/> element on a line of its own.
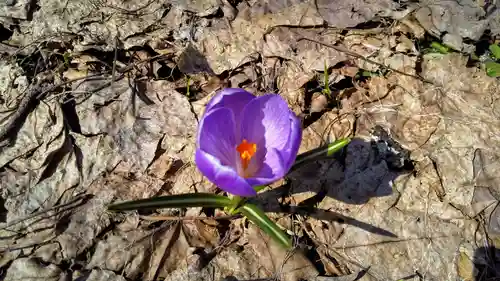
<point x="233" y="98"/>
<point x="216" y="135"/>
<point x="276" y="164"/>
<point x="266" y="121"/>
<point x="224" y="177"/>
<point x="272" y="169"/>
<point x="290" y="152"/>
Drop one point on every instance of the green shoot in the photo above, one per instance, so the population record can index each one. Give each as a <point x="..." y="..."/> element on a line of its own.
<point x="495" y="51"/>
<point x="326" y="82"/>
<point x="439" y="48"/>
<point x="188" y="81"/>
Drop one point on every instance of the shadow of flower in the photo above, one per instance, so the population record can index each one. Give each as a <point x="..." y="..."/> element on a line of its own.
<point x="361" y="171"/>
<point x="487" y="264"/>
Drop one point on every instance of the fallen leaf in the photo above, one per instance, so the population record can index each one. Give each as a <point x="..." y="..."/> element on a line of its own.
<point x="85" y="224"/>
<point x="30" y="270"/>
<point x="289" y="266"/>
<point x="98" y="275"/>
<point x="345" y="13"/>
<point x="227" y="48"/>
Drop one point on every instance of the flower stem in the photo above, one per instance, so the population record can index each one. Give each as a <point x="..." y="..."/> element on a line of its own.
<point x="236" y="202"/>
<point x="259" y="187"/>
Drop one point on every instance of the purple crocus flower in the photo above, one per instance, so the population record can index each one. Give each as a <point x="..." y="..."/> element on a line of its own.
<point x="245" y="141"/>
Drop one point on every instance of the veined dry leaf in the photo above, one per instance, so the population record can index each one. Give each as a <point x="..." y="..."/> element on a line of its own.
<point x="289" y="266"/>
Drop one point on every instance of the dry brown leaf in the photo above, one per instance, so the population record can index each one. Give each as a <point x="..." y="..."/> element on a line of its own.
<point x="85" y="224"/>
<point x="125" y="251"/>
<point x="465" y="267"/>
<point x="170" y="252"/>
<point x="287" y="43"/>
<point x="127" y="185"/>
<point x="138" y="121"/>
<point x="31" y="270"/>
<point x="229" y="47"/>
<point x="286" y="265"/>
<point x="100" y="275"/>
<point x="348" y="13"/>
<point x="200" y="234"/>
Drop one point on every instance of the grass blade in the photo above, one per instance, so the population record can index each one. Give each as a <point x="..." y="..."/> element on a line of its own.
<point x="257" y="216"/>
<point x="320" y="152"/>
<point x="174" y="201"/>
<point x="492" y="68"/>
<point x="440" y="48"/>
<point x="495" y="51"/>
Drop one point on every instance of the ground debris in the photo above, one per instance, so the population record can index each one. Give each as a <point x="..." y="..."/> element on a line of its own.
<point x="348" y="13"/>
<point x="137" y="123"/>
<point x="102" y="275"/>
<point x="30" y="269"/>
<point x="118" y="90"/>
<point x="85" y="224"/>
<point x="227" y="47"/>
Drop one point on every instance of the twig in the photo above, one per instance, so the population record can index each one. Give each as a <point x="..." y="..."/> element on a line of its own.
<point x="53" y="88"/>
<point x="20" y="247"/>
<point x="14" y="222"/>
<point x="113" y="70"/>
<point x="38" y="92"/>
<point x="130" y="12"/>
<point x="177" y="218"/>
<point x="174" y="236"/>
<point x="24" y="108"/>
<point x="131" y="66"/>
<point x="123" y="70"/>
<point x="356" y="55"/>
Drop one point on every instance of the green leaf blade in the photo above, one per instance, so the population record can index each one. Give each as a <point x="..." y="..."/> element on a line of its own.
<point x="366" y="73"/>
<point x="336" y="146"/>
<point x="440" y="48"/>
<point x="495" y="51"/>
<point x="492" y="69"/>
<point x="174" y="201"/>
<point x="259" y="187"/>
<point x="326" y="82"/>
<point x="321" y="152"/>
<point x="258" y="217"/>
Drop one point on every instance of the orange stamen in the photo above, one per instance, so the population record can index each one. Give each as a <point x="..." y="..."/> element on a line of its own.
<point x="247" y="151"/>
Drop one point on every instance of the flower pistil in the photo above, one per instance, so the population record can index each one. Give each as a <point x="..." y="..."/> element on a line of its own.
<point x="247" y="151"/>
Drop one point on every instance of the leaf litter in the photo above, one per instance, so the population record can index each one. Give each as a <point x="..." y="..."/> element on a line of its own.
<point x="105" y="98"/>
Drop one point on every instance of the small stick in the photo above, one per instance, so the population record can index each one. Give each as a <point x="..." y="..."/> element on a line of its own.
<point x="23" y="108"/>
<point x="42" y="94"/>
<point x="99" y="75"/>
<point x="38" y="92"/>
<point x="356" y="55"/>
<point x="30" y="216"/>
<point x="12" y="248"/>
<point x="177" y="218"/>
